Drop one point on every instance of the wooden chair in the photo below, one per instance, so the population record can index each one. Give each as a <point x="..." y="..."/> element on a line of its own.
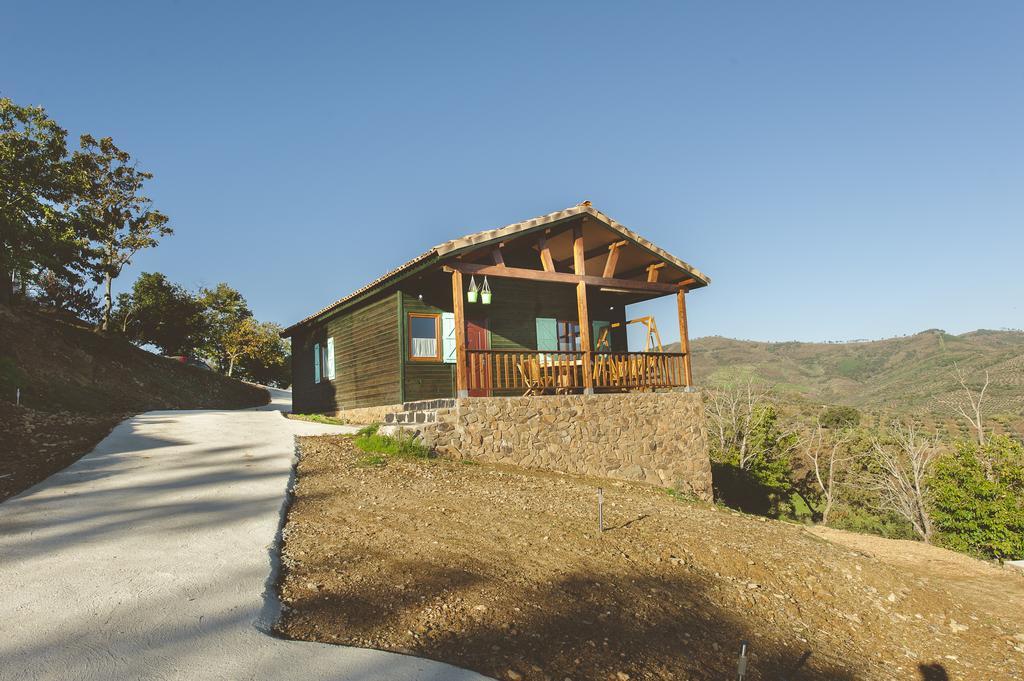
<point x="531" y="378"/>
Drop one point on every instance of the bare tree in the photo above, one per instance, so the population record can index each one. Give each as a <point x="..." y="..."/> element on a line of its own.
<point x="828" y="457"/>
<point x="731" y="410"/>
<point x="968" y="403"/>
<point x="898" y="474"/>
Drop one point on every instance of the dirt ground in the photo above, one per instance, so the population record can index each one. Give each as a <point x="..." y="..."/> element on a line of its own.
<point x="35" y="444"/>
<point x="503" y="571"/>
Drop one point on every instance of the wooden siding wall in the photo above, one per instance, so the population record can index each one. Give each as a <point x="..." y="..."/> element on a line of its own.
<point x="366" y="358"/>
<point x="426" y="380"/>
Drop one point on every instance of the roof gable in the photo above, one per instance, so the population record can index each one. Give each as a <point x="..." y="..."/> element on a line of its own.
<point x="480" y="239"/>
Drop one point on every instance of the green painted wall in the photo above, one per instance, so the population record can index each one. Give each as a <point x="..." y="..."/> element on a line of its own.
<point x="366" y="357"/>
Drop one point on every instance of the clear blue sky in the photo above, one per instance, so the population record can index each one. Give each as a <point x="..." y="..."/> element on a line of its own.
<point x="841" y="169"/>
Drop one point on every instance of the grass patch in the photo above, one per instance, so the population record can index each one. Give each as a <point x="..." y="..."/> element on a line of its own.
<point x="318" y="418"/>
<point x="681" y="496"/>
<point x="401" y="447"/>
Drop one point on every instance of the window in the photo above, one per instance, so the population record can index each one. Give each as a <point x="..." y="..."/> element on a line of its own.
<point x="568" y="336"/>
<point x="424" y="337"/>
<point x="323" y="361"/>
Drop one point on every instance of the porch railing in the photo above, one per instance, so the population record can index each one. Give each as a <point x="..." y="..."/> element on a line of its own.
<point x="499" y="371"/>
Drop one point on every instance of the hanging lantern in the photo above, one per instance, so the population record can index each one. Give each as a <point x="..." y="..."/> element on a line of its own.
<point x="473" y="288"/>
<point x="485" y="293"/>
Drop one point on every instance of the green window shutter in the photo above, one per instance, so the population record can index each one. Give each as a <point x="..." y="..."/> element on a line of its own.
<point x="330" y="358"/>
<point x="448" y="337"/>
<point x="599" y="328"/>
<point x="547" y="334"/>
<point x="316" y="362"/>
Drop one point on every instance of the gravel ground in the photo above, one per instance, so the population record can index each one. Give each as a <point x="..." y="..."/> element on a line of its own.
<point x="502" y="571"/>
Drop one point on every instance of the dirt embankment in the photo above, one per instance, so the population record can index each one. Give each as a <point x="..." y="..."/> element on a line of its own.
<point x="77" y="385"/>
<point x="503" y="571"/>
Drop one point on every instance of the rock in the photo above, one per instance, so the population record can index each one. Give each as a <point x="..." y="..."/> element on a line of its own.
<point x="513" y="675"/>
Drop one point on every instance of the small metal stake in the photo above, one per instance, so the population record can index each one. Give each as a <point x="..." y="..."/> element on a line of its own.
<point x="600" y="510"/>
<point x="17" y="397"/>
<point x="741" y="667"/>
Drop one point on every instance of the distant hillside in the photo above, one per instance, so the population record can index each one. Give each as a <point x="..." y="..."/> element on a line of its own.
<point x="897" y="374"/>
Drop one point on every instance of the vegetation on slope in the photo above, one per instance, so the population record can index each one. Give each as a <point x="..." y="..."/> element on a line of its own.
<point x="75" y="385"/>
<point x="908" y="373"/>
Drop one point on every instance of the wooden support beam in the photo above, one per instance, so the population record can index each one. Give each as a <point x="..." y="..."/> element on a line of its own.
<point x="684" y="338"/>
<point x="461" y="386"/>
<point x="560" y="277"/>
<point x="499" y="260"/>
<point x="545" y="255"/>
<point x="613" y="259"/>
<point x="579" y="261"/>
<point x="592" y="253"/>
<point x="652" y="271"/>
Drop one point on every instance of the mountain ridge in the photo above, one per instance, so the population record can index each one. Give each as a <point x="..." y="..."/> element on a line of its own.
<point x="906" y="373"/>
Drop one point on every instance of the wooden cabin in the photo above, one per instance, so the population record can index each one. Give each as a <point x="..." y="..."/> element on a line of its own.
<point x="553" y="320"/>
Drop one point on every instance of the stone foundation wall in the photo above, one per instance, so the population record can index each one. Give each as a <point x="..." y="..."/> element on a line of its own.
<point x="659" y="438"/>
<point x="367" y="415"/>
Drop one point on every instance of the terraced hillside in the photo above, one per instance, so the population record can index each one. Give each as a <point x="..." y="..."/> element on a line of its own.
<point x="912" y="374"/>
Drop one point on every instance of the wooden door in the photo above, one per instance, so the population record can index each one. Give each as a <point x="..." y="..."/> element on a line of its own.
<point x="478" y="338"/>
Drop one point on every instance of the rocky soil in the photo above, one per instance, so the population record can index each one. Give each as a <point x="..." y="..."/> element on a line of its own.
<point x="503" y="570"/>
<point x="34" y="444"/>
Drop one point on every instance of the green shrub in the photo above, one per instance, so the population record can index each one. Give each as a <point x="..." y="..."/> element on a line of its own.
<point x="403" y="446"/>
<point x="840" y="417"/>
<point x="978" y="498"/>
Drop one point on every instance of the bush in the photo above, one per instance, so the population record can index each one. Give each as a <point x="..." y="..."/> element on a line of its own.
<point x="403" y="446"/>
<point x="978" y="498"/>
<point x="840" y="417"/>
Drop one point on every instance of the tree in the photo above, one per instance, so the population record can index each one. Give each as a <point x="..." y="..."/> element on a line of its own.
<point x="969" y="403"/>
<point x="978" y="498"/>
<point x="252" y="339"/>
<point x="731" y="410"/>
<point x="64" y="293"/>
<point x="272" y="366"/>
<point x="114" y="212"/>
<point x="35" y="183"/>
<point x="164" y="314"/>
<point x="839" y="417"/>
<point x="224" y="308"/>
<point x="826" y="451"/>
<point x="898" y="473"/>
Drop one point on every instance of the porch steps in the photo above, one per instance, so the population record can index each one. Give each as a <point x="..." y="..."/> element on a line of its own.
<point x="422" y="411"/>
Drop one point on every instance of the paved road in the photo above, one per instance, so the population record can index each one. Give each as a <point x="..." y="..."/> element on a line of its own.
<point x="151" y="558"/>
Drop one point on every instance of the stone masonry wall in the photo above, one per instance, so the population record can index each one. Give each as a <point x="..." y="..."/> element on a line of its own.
<point x="659" y="438"/>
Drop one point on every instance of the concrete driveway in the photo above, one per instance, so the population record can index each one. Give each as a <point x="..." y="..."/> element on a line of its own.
<point x="152" y="558"/>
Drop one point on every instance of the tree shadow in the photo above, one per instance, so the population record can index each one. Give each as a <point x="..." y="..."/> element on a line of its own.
<point x="582" y="626"/>
<point x="933" y="672"/>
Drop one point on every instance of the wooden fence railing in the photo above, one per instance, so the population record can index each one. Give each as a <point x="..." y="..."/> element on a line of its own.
<point x="562" y="372"/>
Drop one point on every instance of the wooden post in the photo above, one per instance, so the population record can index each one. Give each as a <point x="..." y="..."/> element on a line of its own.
<point x="545" y="255"/>
<point x="579" y="267"/>
<point x="461" y="387"/>
<point x="684" y="337"/>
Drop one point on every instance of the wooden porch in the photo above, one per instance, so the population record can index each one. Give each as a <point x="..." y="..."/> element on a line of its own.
<point x="585" y="368"/>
